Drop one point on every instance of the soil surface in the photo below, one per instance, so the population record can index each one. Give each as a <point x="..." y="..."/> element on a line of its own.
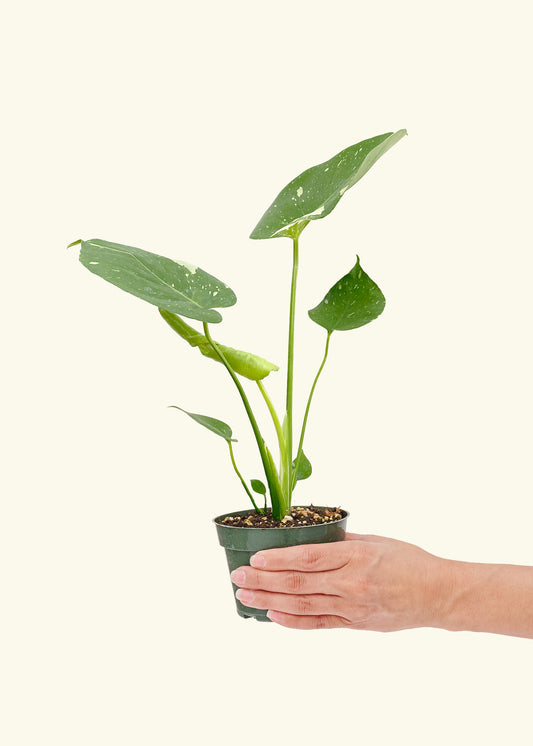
<point x="299" y="516"/>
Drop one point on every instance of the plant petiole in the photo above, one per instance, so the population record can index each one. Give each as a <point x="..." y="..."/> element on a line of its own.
<point x="275" y="420"/>
<point x="232" y="456"/>
<point x="306" y="415"/>
<point x="272" y="479"/>
<point x="287" y="486"/>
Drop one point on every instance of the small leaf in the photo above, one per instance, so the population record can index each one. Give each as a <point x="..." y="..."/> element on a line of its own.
<point x="216" y="426"/>
<point x="258" y="486"/>
<point x="304" y="468"/>
<point x="244" y="363"/>
<point x="175" y="286"/>
<point x="314" y="193"/>
<point x="277" y="497"/>
<point x="355" y="300"/>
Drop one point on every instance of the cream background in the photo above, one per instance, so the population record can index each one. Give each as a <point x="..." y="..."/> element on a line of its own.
<point x="171" y="126"/>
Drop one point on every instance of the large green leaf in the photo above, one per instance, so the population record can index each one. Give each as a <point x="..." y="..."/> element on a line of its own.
<point x="215" y="426"/>
<point x="314" y="193"/>
<point x="244" y="363"/>
<point x="175" y="286"/>
<point x="355" y="300"/>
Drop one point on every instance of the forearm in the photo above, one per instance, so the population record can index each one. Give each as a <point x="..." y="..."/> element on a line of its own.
<point x="488" y="598"/>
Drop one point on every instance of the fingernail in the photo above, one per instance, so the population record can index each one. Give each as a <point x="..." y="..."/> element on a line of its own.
<point x="257" y="560"/>
<point x="237" y="576"/>
<point x="245" y="597"/>
<point x="274" y="616"/>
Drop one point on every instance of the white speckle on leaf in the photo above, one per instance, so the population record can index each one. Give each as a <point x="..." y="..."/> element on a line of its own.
<point x="343" y="190"/>
<point x="190" y="267"/>
<point x="326" y="169"/>
<point x="281" y="231"/>
<point x="318" y="211"/>
<point x="94" y="262"/>
<point x="215" y="293"/>
<point x="299" y="191"/>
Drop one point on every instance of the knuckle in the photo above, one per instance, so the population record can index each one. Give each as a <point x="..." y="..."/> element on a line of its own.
<point x="328" y="621"/>
<point x="303" y="605"/>
<point x="310" y="556"/>
<point x="363" y="551"/>
<point x="294" y="581"/>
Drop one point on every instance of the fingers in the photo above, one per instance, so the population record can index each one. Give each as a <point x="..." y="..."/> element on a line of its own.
<point x="307" y="557"/>
<point x="288" y="581"/>
<point x="324" y="621"/>
<point x="310" y="605"/>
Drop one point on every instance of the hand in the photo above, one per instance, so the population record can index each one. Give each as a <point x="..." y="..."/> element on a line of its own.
<point x="364" y="582"/>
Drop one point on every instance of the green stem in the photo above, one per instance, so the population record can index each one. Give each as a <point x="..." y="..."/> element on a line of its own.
<point x="287" y="486"/>
<point x="304" y="424"/>
<point x="280" y="508"/>
<point x="232" y="456"/>
<point x="275" y="420"/>
<point x="271" y="478"/>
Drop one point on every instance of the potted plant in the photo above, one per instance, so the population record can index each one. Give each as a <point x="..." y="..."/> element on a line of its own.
<point x="182" y="290"/>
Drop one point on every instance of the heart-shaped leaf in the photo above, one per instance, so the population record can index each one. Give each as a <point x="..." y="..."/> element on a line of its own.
<point x="314" y="193"/>
<point x="216" y="426"/>
<point x="244" y="363"/>
<point x="258" y="486"/>
<point x="355" y="300"/>
<point x="304" y="468"/>
<point x="175" y="286"/>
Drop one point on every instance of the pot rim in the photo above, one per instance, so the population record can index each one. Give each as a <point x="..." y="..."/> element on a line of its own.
<point x="345" y="514"/>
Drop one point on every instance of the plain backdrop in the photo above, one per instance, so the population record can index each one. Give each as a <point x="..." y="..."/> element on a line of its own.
<point x="172" y="126"/>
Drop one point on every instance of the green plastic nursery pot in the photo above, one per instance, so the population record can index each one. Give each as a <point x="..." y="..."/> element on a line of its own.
<point x="241" y="542"/>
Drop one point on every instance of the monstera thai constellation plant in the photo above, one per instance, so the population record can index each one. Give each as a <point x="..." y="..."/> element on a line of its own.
<point x="184" y="291"/>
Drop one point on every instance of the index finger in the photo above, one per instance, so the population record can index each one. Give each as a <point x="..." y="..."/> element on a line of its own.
<point x="305" y="557"/>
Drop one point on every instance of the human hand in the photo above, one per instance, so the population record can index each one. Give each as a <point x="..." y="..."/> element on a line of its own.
<point x="365" y="582"/>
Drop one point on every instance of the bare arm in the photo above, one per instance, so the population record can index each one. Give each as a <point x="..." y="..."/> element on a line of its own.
<point x="370" y="582"/>
<point x="491" y="598"/>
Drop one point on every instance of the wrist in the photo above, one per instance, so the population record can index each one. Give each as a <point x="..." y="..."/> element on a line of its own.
<point x="486" y="598"/>
<point x="443" y="595"/>
<point x="465" y="589"/>
<point x="458" y="584"/>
